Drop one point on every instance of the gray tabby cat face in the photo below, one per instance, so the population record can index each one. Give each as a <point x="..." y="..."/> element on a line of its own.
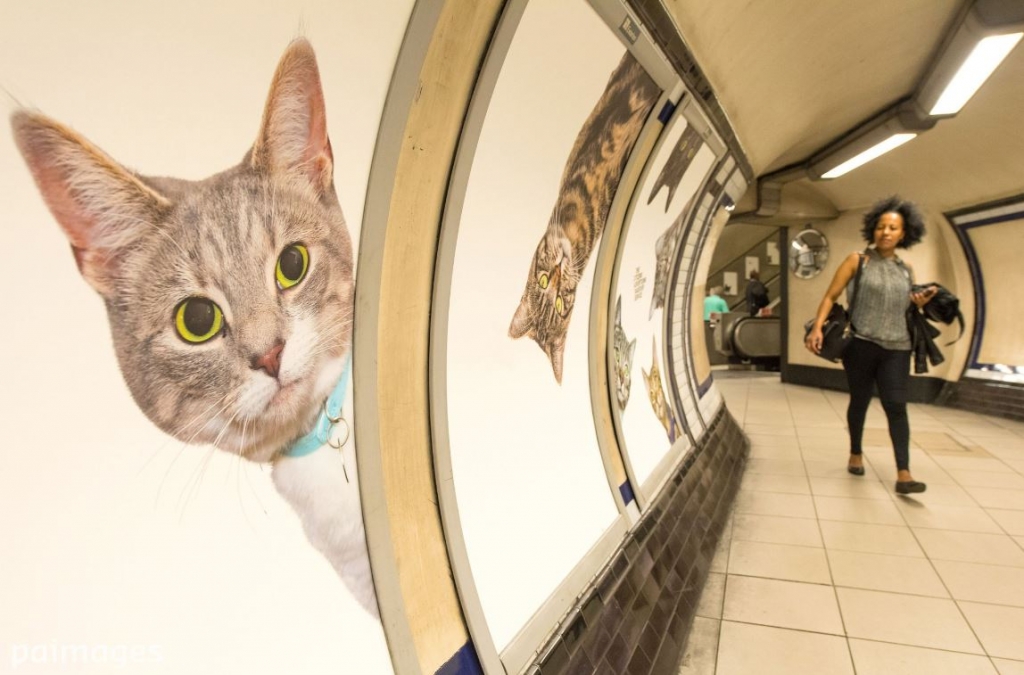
<point x="230" y="298"/>
<point x="548" y="299"/>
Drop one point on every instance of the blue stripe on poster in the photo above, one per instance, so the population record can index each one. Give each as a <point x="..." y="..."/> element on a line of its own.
<point x="626" y="490"/>
<point x="465" y="662"/>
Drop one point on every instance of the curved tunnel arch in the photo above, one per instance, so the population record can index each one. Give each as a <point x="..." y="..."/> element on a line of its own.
<point x="425" y="583"/>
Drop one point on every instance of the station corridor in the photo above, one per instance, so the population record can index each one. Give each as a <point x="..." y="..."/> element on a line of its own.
<point x="820" y="571"/>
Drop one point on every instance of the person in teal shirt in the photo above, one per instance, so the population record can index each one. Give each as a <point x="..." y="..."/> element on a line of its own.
<point x="714" y="303"/>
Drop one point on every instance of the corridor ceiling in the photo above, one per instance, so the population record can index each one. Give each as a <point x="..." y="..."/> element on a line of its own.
<point x="794" y="75"/>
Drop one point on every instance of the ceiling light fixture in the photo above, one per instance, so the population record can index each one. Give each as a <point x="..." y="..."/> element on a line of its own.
<point x="894" y="141"/>
<point x="986" y="56"/>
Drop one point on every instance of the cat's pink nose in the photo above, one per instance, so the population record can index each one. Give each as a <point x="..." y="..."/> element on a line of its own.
<point x="271" y="361"/>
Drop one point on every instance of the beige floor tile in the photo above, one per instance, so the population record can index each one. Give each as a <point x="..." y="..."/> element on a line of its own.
<point x="930" y="473"/>
<point x="934" y="440"/>
<point x="983" y="583"/>
<point x="770" y="441"/>
<point x="1020" y="541"/>
<point x="779" y="561"/>
<point x="876" y="572"/>
<point x="939" y="494"/>
<point x="1007" y="667"/>
<point x="989" y="479"/>
<point x="919" y="513"/>
<point x="980" y="429"/>
<point x="858" y="510"/>
<point x="998" y="498"/>
<point x="1016" y="464"/>
<point x="785" y="604"/>
<point x="880" y="658"/>
<point x="856" y="487"/>
<point x="746" y="649"/>
<point x="829" y="446"/>
<point x="832" y="469"/>
<point x="998" y="628"/>
<point x="772" y="452"/>
<point x="987" y="549"/>
<point x="765" y="482"/>
<point x="906" y="619"/>
<point x="701" y="650"/>
<point x="952" y="463"/>
<point x="780" y="467"/>
<point x="776" y="530"/>
<point x="712" y="597"/>
<point x="997" y="449"/>
<point x="870" y="538"/>
<point x="774" y="504"/>
<point x="770" y="430"/>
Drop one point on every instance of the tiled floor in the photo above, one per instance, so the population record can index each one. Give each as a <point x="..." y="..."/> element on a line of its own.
<point x="820" y="571"/>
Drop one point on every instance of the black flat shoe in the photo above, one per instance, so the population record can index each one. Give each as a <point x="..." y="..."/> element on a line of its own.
<point x="855" y="470"/>
<point x="906" y="487"/>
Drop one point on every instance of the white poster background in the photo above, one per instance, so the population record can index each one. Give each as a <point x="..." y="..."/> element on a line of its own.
<point x="115" y="536"/>
<point x="645" y="438"/>
<point x="532" y="490"/>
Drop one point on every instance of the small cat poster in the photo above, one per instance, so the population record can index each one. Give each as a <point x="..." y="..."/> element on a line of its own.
<point x="180" y="453"/>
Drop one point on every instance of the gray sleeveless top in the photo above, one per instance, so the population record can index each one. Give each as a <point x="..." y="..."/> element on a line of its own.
<point x="880" y="305"/>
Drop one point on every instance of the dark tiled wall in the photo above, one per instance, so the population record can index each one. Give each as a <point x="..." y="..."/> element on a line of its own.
<point x="635" y="618"/>
<point x="987" y="398"/>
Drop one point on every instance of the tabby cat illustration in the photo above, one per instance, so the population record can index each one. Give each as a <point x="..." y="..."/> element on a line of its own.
<point x="623" y="350"/>
<point x="589" y="181"/>
<point x="664" y="250"/>
<point x="656" y="393"/>
<point x="230" y="298"/>
<point x="678" y="162"/>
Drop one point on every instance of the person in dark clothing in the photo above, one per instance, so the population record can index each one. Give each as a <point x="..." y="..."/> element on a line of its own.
<point x="879" y="354"/>
<point x="757" y="293"/>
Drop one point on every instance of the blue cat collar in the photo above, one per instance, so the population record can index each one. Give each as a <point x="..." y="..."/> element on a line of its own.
<point x="330" y="413"/>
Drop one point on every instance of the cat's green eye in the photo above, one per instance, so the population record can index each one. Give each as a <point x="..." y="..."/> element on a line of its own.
<point x="542" y="280"/>
<point x="292" y="265"/>
<point x="198" y="320"/>
<point x="559" y="304"/>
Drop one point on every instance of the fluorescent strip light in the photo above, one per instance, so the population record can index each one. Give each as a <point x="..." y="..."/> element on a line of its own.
<point x="985" y="58"/>
<point x="894" y="141"/>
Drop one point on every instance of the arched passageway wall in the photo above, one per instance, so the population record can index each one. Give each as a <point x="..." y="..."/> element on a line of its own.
<point x="577" y="508"/>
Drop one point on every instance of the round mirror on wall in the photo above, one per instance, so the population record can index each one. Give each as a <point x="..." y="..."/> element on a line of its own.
<point x="808" y="253"/>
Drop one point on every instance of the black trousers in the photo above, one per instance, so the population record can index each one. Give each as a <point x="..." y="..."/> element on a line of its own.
<point x="868" y="365"/>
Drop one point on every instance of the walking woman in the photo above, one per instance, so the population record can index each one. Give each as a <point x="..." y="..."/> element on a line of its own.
<point x="879" y="354"/>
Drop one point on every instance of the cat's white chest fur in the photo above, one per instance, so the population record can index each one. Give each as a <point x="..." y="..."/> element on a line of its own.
<point x="328" y="505"/>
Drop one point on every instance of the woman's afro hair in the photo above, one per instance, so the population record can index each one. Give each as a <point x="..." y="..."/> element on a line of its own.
<point x="913" y="220"/>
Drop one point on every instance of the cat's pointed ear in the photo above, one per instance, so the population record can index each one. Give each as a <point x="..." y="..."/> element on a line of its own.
<point x="631" y="349"/>
<point x="101" y="206"/>
<point x="555" y="351"/>
<point x="618" y="310"/>
<point x="293" y="135"/>
<point x="521" y="324"/>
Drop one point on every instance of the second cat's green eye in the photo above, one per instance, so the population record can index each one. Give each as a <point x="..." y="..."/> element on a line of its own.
<point x="543" y="280"/>
<point x="292" y="265"/>
<point x="559" y="304"/>
<point x="198" y="320"/>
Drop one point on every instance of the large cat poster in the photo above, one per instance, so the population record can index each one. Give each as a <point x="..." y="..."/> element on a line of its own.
<point x="533" y="494"/>
<point x="179" y="487"/>
<point x="650" y="425"/>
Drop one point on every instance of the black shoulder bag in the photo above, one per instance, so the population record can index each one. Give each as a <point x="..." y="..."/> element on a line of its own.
<point x="837" y="331"/>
